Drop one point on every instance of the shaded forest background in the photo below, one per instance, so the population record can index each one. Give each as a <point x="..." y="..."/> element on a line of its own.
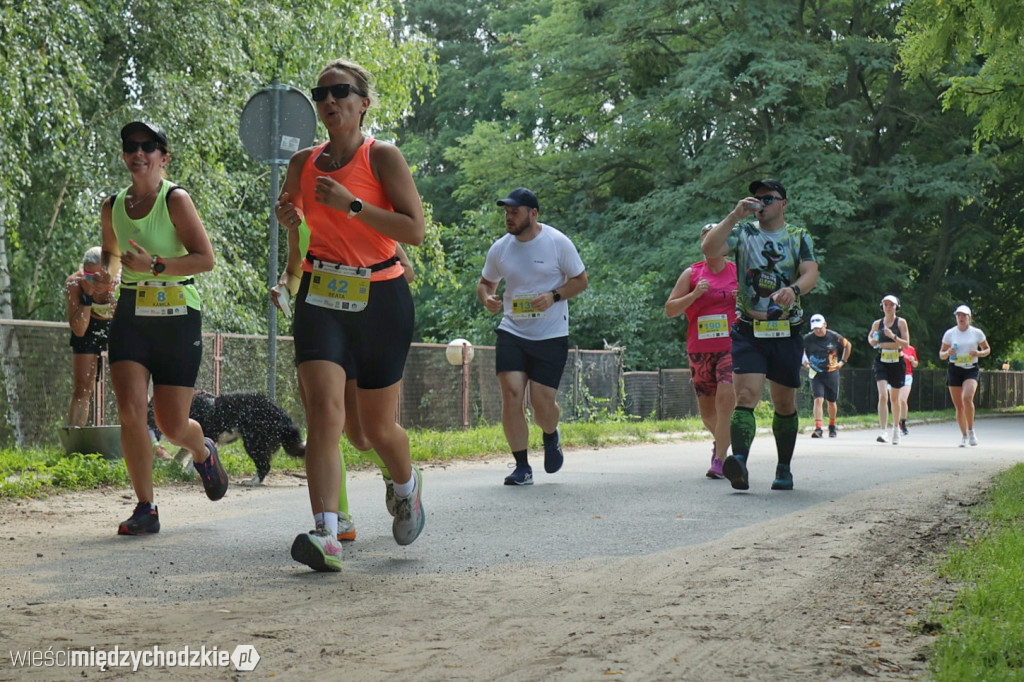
<point x="896" y="128"/>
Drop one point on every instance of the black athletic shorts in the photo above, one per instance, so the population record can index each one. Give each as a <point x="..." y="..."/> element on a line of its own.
<point x="826" y="385"/>
<point x="895" y="373"/>
<point x="171" y="348"/>
<point x="375" y="340"/>
<point x="94" y="340"/>
<point x="956" y="376"/>
<point x="779" y="359"/>
<point x="541" y="361"/>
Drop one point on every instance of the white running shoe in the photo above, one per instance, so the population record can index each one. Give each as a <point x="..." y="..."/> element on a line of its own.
<point x="318" y="549"/>
<point x="963" y="442"/>
<point x="346" y="529"/>
<point x="883" y="437"/>
<point x="409" y="516"/>
<point x="896" y="435"/>
<point x="971" y="438"/>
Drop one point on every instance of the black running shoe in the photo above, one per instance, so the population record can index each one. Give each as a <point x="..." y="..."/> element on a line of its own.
<point x="832" y="431"/>
<point x="552" y="452"/>
<point x="735" y="469"/>
<point x="215" y="479"/>
<point x="144" y="521"/>
<point x="816" y="433"/>
<point x="521" y="476"/>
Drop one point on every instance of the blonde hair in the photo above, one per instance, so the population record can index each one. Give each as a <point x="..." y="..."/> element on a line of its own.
<point x="362" y="76"/>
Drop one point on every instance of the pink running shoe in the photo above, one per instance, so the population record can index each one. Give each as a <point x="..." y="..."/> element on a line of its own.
<point x="716" y="469"/>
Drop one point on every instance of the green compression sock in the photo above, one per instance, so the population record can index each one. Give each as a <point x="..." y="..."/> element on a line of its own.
<point x="785" y="429"/>
<point x="742" y="428"/>
<point x="343" y="490"/>
<point x="375" y="458"/>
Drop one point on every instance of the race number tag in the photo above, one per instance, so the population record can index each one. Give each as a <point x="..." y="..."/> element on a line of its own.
<point x="160" y="299"/>
<point x="965" y="361"/>
<point x="890" y="355"/>
<point x="522" y="309"/>
<point x="712" y="326"/>
<point x="771" y="329"/>
<point x="339" y="287"/>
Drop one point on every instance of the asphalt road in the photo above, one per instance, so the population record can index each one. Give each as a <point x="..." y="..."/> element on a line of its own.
<point x="604" y="504"/>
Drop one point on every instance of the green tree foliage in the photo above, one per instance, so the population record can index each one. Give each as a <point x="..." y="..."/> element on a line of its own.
<point x="70" y="91"/>
<point x="637" y="123"/>
<point x="976" y="47"/>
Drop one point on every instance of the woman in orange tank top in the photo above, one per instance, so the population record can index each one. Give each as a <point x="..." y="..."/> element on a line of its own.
<point x="353" y="307"/>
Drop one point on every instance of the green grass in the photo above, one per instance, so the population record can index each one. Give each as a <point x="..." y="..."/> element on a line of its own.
<point x="43" y="471"/>
<point x="982" y="635"/>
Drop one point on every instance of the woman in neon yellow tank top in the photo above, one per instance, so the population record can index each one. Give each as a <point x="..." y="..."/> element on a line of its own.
<point x="154" y="239"/>
<point x="353" y="302"/>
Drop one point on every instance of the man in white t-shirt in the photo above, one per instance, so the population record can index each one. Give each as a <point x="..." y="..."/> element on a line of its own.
<point x="542" y="271"/>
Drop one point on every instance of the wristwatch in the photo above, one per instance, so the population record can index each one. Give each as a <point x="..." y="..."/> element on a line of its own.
<point x="157" y="265"/>
<point x="556" y="295"/>
<point x="795" y="288"/>
<point x="355" y="207"/>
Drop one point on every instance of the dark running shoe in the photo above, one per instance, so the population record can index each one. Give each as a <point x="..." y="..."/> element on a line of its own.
<point x="521" y="476"/>
<point x="783" y="478"/>
<point x="144" y="521"/>
<point x="832" y="431"/>
<point x="816" y="433"/>
<point x="735" y="469"/>
<point x="552" y="452"/>
<point x="215" y="479"/>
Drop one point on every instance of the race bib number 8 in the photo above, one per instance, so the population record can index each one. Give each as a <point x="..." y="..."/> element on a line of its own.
<point x="712" y="326"/>
<point x="522" y="309"/>
<point x="339" y="287"/>
<point x="160" y="299"/>
<point x="771" y="329"/>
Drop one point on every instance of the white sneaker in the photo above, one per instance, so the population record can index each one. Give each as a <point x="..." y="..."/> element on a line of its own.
<point x="971" y="438"/>
<point x="409" y="516"/>
<point x="318" y="549"/>
<point x="963" y="442"/>
<point x="883" y="437"/>
<point x="896" y="436"/>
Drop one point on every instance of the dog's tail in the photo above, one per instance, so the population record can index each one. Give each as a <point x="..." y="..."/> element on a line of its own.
<point x="291" y="441"/>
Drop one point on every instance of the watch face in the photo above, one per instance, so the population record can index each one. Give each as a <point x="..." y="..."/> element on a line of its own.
<point x="356" y="206"/>
<point x="159" y="267"/>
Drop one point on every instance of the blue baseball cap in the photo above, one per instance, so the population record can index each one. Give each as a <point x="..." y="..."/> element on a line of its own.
<point x="520" y="197"/>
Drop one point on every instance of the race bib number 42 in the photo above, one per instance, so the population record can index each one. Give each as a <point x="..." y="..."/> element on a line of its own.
<point x="339" y="287"/>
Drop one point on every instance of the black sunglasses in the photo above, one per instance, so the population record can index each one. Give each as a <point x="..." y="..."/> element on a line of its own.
<point x="339" y="91"/>
<point x="131" y="146"/>
<point x="768" y="200"/>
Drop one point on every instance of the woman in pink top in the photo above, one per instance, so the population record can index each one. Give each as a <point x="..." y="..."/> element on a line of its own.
<point x="706" y="293"/>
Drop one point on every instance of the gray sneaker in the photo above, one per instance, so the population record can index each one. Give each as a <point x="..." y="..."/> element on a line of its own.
<point x="409" y="516"/>
<point x="971" y="438"/>
<point x="346" y="529"/>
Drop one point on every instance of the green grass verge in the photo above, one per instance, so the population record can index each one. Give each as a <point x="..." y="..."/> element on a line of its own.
<point x="982" y="635"/>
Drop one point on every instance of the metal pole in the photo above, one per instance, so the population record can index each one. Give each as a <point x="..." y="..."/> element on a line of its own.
<point x="272" y="257"/>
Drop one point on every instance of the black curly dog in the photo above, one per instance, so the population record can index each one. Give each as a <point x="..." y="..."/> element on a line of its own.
<point x="263" y="426"/>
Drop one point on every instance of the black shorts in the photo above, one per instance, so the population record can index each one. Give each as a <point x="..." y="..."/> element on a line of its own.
<point x="779" y="359"/>
<point x="94" y="340"/>
<point x="893" y="373"/>
<point x="956" y="376"/>
<point x="372" y="344"/>
<point x="826" y="385"/>
<point x="542" y="361"/>
<point x="171" y="348"/>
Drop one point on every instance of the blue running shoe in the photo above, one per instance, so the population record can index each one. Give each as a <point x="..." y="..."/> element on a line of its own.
<point x="553" y="452"/>
<point x="783" y="478"/>
<point x="735" y="469"/>
<point x="523" y="475"/>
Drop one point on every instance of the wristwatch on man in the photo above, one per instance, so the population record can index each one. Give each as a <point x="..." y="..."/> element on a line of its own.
<point x="355" y="208"/>
<point x="157" y="265"/>
<point x="557" y="296"/>
<point x="795" y="288"/>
